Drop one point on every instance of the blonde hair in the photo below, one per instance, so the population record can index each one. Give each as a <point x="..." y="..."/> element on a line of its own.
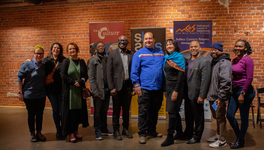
<point x="38" y="47"/>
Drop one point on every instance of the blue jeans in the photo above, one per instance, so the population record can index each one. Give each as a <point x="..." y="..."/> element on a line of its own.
<point x="55" y="100"/>
<point x="244" y="111"/>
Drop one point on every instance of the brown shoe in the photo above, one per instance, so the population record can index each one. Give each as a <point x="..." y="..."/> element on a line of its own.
<point x="142" y="140"/>
<point x="40" y="136"/>
<point x="33" y="137"/>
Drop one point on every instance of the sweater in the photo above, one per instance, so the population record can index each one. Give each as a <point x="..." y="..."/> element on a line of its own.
<point x="243" y="70"/>
<point x="147" y="69"/>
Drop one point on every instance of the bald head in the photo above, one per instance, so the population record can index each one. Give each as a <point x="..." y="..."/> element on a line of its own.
<point x="149" y="40"/>
<point x="122" y="42"/>
<point x="195" y="48"/>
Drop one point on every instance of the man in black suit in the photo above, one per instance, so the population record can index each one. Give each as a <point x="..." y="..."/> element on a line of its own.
<point x="198" y="72"/>
<point x="120" y="85"/>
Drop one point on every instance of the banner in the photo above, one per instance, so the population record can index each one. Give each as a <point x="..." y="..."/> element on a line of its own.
<point x="184" y="33"/>
<point x="137" y="37"/>
<point x="187" y="31"/>
<point x="137" y="42"/>
<point x="108" y="33"/>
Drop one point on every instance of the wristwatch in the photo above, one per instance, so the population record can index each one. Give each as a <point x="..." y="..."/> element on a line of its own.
<point x="243" y="93"/>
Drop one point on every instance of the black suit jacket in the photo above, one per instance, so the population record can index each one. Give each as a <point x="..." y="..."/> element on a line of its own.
<point x="199" y="80"/>
<point x="115" y="69"/>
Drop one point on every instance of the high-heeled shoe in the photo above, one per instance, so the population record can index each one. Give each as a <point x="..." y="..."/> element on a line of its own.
<point x="238" y="144"/>
<point x="77" y="135"/>
<point x="72" y="138"/>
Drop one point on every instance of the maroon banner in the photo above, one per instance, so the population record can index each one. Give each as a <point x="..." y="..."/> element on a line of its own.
<point x="106" y="32"/>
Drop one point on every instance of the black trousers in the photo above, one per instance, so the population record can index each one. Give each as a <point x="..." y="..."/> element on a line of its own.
<point x="35" y="108"/>
<point x="100" y="113"/>
<point x="75" y="117"/>
<point x="148" y="107"/>
<point x="194" y="112"/>
<point x="122" y="99"/>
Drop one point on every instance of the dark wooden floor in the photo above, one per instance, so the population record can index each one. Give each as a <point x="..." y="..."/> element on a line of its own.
<point x="14" y="135"/>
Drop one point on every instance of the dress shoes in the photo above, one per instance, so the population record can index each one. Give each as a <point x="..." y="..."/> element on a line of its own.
<point x="193" y="140"/>
<point x="40" y="136"/>
<point x="33" y="137"/>
<point x="126" y="133"/>
<point x="238" y="144"/>
<point x="117" y="135"/>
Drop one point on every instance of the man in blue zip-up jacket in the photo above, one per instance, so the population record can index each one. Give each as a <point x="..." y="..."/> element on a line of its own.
<point x="147" y="78"/>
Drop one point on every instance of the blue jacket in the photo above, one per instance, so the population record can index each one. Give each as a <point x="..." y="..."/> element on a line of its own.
<point x="147" y="69"/>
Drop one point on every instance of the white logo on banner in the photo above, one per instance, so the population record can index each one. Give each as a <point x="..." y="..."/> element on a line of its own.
<point x="105" y="32"/>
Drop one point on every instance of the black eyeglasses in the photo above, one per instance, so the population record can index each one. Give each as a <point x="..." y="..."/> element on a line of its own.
<point x="38" y="53"/>
<point x="100" y="46"/>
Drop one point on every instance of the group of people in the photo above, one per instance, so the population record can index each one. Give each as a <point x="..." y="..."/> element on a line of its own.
<point x="148" y="72"/>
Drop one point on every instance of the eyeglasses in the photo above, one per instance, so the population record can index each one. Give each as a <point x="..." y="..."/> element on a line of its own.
<point x="213" y="50"/>
<point x="38" y="53"/>
<point x="122" y="40"/>
<point x="100" y="46"/>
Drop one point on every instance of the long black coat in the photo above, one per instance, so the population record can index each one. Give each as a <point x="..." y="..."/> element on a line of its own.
<point x="66" y="81"/>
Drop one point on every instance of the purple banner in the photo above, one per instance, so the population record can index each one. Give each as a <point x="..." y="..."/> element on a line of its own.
<point x="187" y="31"/>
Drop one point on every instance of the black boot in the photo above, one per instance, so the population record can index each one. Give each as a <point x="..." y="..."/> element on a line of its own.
<point x="40" y="136"/>
<point x="59" y="135"/>
<point x="238" y="144"/>
<point x="33" y="137"/>
<point x="117" y="134"/>
<point x="169" y="141"/>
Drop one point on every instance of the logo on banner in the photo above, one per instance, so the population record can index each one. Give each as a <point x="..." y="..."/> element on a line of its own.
<point x="187" y="29"/>
<point x="105" y="32"/>
<point x="139" y="41"/>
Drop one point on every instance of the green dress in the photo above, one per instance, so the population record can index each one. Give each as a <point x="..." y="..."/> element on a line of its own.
<point x="75" y="95"/>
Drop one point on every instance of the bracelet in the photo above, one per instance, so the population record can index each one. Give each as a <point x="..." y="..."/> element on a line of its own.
<point x="19" y="92"/>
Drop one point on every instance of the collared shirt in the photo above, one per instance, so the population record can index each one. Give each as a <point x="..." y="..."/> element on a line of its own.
<point x="124" y="58"/>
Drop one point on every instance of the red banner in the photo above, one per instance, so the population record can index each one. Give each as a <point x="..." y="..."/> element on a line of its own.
<point x="106" y="32"/>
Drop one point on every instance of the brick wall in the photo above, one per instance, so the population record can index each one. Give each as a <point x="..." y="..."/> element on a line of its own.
<point x="22" y="26"/>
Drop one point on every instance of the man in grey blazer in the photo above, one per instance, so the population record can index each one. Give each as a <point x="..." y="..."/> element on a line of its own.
<point x="198" y="72"/>
<point x="120" y="85"/>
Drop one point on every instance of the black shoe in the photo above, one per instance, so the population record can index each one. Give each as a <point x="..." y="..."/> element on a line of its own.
<point x="40" y="136"/>
<point x="238" y="144"/>
<point x="126" y="133"/>
<point x="117" y="135"/>
<point x="169" y="141"/>
<point x="193" y="140"/>
<point x="33" y="137"/>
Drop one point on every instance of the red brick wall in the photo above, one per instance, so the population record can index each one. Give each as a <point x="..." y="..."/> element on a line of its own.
<point x="22" y="27"/>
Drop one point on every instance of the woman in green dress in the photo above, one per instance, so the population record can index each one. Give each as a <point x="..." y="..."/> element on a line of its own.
<point x="74" y="108"/>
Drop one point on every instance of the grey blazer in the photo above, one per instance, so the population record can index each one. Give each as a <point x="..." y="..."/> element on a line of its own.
<point x="115" y="69"/>
<point x="199" y="80"/>
<point x="96" y="76"/>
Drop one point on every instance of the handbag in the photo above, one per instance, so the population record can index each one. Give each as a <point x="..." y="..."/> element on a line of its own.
<point x="49" y="78"/>
<point x="85" y="91"/>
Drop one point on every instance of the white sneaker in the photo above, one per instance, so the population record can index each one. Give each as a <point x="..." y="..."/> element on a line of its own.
<point x="218" y="144"/>
<point x="214" y="138"/>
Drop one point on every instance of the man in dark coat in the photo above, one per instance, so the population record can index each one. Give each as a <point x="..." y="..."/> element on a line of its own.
<point x="198" y="71"/>
<point x="120" y="85"/>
